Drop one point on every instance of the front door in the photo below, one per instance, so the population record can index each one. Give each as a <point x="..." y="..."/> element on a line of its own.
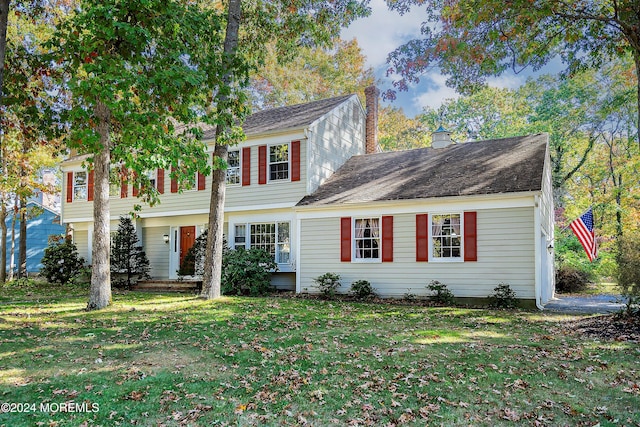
<point x="187" y="239"/>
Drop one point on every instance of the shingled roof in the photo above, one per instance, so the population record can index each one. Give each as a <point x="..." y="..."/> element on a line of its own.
<point x="289" y="117"/>
<point x="485" y="167"/>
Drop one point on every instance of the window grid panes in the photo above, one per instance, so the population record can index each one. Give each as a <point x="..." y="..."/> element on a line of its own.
<point x="272" y="237"/>
<point x="80" y="186"/>
<point x="445" y="236"/>
<point x="240" y="238"/>
<point x="367" y="238"/>
<point x="279" y="162"/>
<point x="115" y="183"/>
<point x="153" y="178"/>
<point x="233" y="167"/>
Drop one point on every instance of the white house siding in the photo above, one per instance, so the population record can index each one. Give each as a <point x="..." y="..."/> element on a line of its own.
<point x="81" y="240"/>
<point x="505" y="255"/>
<point x="333" y="140"/>
<point x="546" y="265"/>
<point x="157" y="250"/>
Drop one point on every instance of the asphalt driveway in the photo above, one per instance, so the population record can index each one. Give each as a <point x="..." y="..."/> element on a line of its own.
<point x="585" y="304"/>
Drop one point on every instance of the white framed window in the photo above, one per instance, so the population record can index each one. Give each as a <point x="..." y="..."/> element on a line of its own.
<point x="115" y="182"/>
<point x="240" y="236"/>
<point x="278" y="162"/>
<point x="366" y="239"/>
<point x="446" y="237"/>
<point x="80" y="185"/>
<point x="233" y="167"/>
<point x="152" y="175"/>
<point x="273" y="237"/>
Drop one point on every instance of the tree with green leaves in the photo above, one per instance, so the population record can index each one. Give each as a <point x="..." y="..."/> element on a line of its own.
<point x="141" y="75"/>
<point x="316" y="73"/>
<point x="251" y="26"/>
<point x="30" y="122"/>
<point x="473" y="40"/>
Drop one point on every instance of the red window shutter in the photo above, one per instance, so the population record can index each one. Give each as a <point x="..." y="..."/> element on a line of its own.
<point x="262" y="164"/>
<point x="387" y="239"/>
<point x="201" y="181"/>
<point x="124" y="187"/>
<point x="295" y="160"/>
<point x="470" y="236"/>
<point x="174" y="183"/>
<point x="69" y="187"/>
<point x="345" y="239"/>
<point x="246" y="166"/>
<point x="90" y="186"/>
<point x="160" y="180"/>
<point x="135" y="190"/>
<point x="422" y="237"/>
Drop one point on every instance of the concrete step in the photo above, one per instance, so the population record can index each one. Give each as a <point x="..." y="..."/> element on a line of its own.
<point x="168" y="285"/>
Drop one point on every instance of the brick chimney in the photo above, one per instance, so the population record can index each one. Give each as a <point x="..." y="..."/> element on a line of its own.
<point x="371" y="125"/>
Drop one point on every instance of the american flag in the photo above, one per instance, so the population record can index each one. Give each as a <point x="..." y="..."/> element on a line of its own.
<point x="583" y="228"/>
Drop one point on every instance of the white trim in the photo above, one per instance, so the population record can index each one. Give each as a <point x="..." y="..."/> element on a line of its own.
<point x="297" y="252"/>
<point x="432" y="257"/>
<point x="355" y="259"/>
<point x="537" y="228"/>
<point x="288" y="178"/>
<point x="435" y="205"/>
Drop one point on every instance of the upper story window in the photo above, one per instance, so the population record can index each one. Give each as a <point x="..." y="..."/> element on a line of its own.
<point x="366" y="238"/>
<point x="446" y="238"/>
<point x="152" y="175"/>
<point x="233" y="167"/>
<point x="80" y="185"/>
<point x="115" y="182"/>
<point x="278" y="162"/>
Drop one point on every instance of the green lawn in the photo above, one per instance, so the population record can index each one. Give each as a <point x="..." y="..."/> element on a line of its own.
<point x="176" y="360"/>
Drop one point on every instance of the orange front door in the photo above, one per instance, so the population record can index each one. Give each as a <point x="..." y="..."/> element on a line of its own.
<point x="187" y="239"/>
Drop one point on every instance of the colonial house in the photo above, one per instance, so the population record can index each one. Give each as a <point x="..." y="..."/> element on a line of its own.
<point x="310" y="185"/>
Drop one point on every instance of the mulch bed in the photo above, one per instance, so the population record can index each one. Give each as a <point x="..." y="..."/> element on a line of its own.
<point x="613" y="327"/>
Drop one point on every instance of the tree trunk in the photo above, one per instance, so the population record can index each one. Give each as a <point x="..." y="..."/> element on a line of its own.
<point x="100" y="290"/>
<point x="3" y="226"/>
<point x="12" y="248"/>
<point x="213" y="254"/>
<point x="22" y="243"/>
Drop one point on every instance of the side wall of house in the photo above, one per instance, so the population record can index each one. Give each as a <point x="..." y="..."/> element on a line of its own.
<point x="333" y="140"/>
<point x="547" y="221"/>
<point x="505" y="254"/>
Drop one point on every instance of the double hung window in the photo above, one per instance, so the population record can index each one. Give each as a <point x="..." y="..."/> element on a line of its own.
<point x="278" y="162"/>
<point x="367" y="238"/>
<point x="446" y="238"/>
<point x="273" y="237"/>
<point x="233" y="167"/>
<point x="80" y="185"/>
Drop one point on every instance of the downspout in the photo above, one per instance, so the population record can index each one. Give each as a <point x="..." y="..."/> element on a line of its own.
<point x="538" y="262"/>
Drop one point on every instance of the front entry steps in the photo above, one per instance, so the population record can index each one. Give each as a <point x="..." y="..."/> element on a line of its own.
<point x="168" y="285"/>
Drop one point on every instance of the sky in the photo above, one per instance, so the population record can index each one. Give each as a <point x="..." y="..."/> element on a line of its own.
<point x="383" y="31"/>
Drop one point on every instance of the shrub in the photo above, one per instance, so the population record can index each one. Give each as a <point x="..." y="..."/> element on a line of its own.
<point x="362" y="289"/>
<point x="571" y="279"/>
<point x="328" y="284"/>
<point x="61" y="262"/>
<point x="442" y="295"/>
<point x="409" y="296"/>
<point x="629" y="271"/>
<point x="247" y="271"/>
<point x="128" y="259"/>
<point x="193" y="262"/>
<point x="503" y="297"/>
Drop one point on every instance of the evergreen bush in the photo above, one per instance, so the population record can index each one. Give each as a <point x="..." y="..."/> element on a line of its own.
<point x="328" y="284"/>
<point x="129" y="262"/>
<point x="503" y="297"/>
<point x="629" y="271"/>
<point x="247" y="271"/>
<point x="442" y="294"/>
<point x="362" y="289"/>
<point x="61" y="263"/>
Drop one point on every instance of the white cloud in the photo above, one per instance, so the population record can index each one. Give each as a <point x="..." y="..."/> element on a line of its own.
<point x="383" y="31"/>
